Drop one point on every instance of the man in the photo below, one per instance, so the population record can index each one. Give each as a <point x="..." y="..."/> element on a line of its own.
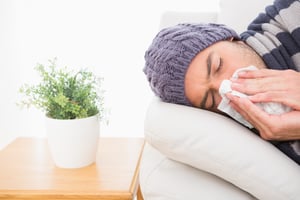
<point x="186" y="64"/>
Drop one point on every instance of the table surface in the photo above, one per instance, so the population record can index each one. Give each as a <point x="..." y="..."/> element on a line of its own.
<point x="28" y="172"/>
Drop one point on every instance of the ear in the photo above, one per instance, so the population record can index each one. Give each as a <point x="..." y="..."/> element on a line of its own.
<point x="232" y="39"/>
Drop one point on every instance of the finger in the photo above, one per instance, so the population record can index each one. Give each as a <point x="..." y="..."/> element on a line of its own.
<point x="249" y="87"/>
<point x="259" y="85"/>
<point x="278" y="97"/>
<point x="258" y="73"/>
<point x="253" y="114"/>
<point x="244" y="106"/>
<point x="267" y="97"/>
<point x="265" y="80"/>
<point x="240" y="105"/>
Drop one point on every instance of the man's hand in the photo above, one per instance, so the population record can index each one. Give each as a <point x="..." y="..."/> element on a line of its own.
<point x="269" y="86"/>
<point x="270" y="127"/>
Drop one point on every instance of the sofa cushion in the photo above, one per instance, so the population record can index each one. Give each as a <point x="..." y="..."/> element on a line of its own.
<point x="163" y="178"/>
<point x="218" y="145"/>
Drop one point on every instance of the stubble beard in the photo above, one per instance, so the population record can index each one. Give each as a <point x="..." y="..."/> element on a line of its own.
<point x="251" y="54"/>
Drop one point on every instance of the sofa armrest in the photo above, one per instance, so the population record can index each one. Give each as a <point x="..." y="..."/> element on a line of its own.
<point x="218" y="145"/>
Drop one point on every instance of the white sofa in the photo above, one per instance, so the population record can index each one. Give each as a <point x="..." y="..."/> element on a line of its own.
<point x="196" y="154"/>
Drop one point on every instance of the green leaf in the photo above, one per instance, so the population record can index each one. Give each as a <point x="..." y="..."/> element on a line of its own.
<point x="65" y="94"/>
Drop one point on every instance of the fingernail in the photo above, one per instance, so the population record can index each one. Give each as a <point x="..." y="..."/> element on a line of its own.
<point x="234" y="79"/>
<point x="235" y="85"/>
<point x="229" y="95"/>
<point x="242" y="73"/>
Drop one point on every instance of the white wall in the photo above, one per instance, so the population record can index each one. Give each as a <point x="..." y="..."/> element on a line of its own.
<point x="108" y="36"/>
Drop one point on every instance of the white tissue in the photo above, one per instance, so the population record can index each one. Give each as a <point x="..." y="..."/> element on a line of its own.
<point x="269" y="107"/>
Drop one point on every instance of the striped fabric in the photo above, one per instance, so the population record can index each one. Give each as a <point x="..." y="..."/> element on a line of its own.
<point x="275" y="36"/>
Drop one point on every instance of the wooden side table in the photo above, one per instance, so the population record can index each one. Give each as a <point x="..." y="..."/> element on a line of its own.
<point x="28" y="172"/>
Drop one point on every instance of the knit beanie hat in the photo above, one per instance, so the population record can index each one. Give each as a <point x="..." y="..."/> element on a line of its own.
<point x="171" y="52"/>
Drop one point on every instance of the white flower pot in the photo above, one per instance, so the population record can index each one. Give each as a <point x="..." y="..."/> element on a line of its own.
<point x="73" y="143"/>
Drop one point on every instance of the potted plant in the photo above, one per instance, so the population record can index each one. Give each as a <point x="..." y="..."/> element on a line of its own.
<point x="73" y="104"/>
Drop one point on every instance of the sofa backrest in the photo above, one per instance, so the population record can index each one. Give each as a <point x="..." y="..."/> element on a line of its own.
<point x="238" y="14"/>
<point x="170" y="18"/>
<point x="234" y="13"/>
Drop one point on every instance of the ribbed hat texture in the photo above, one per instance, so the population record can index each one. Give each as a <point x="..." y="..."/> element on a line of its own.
<point x="171" y="52"/>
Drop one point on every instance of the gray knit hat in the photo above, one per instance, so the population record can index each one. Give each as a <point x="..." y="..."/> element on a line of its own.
<point x="172" y="51"/>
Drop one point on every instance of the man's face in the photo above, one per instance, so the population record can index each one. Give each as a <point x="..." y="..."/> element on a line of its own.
<point x="211" y="66"/>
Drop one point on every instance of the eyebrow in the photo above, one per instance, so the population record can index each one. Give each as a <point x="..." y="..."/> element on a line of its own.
<point x="208" y="65"/>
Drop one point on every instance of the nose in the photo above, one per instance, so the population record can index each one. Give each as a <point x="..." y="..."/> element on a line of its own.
<point x="217" y="80"/>
<point x="215" y="85"/>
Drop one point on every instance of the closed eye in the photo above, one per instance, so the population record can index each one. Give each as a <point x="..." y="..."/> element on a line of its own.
<point x="220" y="65"/>
<point x="213" y="102"/>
